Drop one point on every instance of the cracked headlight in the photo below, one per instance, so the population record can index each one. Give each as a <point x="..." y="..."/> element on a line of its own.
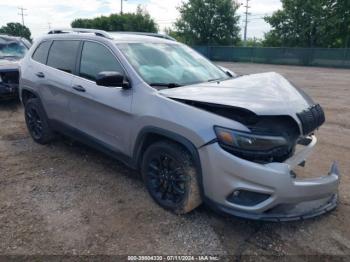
<point x="237" y="140"/>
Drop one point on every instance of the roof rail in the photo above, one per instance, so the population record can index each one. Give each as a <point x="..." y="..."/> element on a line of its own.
<point x="147" y="34"/>
<point x="105" y="34"/>
<point x="80" y="30"/>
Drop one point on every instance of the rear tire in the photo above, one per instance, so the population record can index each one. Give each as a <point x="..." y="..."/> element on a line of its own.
<point x="170" y="176"/>
<point x="37" y="122"/>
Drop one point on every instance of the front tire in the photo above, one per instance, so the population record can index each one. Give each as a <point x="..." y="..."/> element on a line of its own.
<point x="170" y="176"/>
<point x="37" y="122"/>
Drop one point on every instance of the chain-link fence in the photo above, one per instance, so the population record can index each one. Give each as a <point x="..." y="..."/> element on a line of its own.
<point x="330" y="57"/>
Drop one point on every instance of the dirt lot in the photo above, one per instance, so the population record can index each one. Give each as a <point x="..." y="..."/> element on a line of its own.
<point x="68" y="199"/>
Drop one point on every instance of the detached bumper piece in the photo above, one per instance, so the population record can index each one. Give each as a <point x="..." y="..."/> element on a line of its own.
<point x="293" y="211"/>
<point x="284" y="213"/>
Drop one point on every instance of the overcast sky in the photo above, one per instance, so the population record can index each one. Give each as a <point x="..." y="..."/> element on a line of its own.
<point x="42" y="14"/>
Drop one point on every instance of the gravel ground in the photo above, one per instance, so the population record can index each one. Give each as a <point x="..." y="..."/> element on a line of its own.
<point x="65" y="198"/>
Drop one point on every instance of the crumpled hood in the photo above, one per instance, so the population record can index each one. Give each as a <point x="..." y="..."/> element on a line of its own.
<point x="263" y="94"/>
<point x="9" y="64"/>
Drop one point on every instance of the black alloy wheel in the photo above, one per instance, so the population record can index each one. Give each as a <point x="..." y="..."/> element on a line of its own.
<point x="35" y="125"/>
<point x="167" y="180"/>
<point x="37" y="122"/>
<point x="171" y="177"/>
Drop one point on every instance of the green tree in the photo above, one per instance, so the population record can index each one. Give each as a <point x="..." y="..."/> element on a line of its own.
<point x="311" y="23"/>
<point x="254" y="42"/>
<point x="272" y="39"/>
<point x="140" y="21"/>
<point x="16" y="29"/>
<point x="208" y="22"/>
<point x="173" y="33"/>
<point x="338" y="23"/>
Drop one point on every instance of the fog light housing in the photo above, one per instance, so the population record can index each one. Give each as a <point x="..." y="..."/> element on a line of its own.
<point x="247" y="198"/>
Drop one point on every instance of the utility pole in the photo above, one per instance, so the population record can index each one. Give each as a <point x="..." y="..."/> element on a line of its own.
<point x="121" y="6"/>
<point x="246" y="21"/>
<point x="49" y="24"/>
<point x="21" y="9"/>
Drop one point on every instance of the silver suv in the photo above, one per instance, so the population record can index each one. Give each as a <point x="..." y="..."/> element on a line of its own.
<point x="197" y="132"/>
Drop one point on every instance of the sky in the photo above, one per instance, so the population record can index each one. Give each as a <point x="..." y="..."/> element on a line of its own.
<point x="40" y="15"/>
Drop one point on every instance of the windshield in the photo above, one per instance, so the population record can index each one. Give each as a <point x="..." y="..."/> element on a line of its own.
<point x="172" y="65"/>
<point x="12" y="48"/>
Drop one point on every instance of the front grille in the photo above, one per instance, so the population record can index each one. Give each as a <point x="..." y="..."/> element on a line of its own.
<point x="312" y="118"/>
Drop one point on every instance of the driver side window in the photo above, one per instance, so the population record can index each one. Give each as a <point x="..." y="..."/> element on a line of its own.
<point x="96" y="58"/>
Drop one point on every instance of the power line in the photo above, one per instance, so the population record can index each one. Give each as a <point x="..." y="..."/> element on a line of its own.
<point x="21" y="9"/>
<point x="262" y="15"/>
<point x="246" y="21"/>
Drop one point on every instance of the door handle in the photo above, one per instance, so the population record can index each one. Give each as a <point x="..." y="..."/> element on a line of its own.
<point x="40" y="74"/>
<point x="79" y="88"/>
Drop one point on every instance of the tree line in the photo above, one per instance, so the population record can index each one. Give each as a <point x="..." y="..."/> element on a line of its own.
<point x="311" y="23"/>
<point x="140" y="21"/>
<point x="299" y="23"/>
<point x="16" y="29"/>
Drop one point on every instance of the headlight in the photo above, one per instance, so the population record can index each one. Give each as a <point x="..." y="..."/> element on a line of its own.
<point x="237" y="140"/>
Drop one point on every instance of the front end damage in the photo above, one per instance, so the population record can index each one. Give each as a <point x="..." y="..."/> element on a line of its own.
<point x="251" y="174"/>
<point x="263" y="185"/>
<point x="9" y="80"/>
<point x="271" y="191"/>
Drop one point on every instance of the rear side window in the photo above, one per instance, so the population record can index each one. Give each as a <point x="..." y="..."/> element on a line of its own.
<point x="62" y="55"/>
<point x="96" y="58"/>
<point x="40" y="54"/>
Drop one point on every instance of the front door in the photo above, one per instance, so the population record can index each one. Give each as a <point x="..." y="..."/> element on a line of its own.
<point x="103" y="113"/>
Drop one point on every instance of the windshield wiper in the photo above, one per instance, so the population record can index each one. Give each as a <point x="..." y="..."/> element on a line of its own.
<point x="215" y="79"/>
<point x="168" y="85"/>
<point x="219" y="79"/>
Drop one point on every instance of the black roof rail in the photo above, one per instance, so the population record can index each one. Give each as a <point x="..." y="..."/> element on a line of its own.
<point x="105" y="34"/>
<point x="80" y="30"/>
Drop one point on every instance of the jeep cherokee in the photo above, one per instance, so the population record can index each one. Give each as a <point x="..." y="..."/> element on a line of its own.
<point x="196" y="132"/>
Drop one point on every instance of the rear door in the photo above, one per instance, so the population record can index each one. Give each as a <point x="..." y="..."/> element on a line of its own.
<point x="32" y="68"/>
<point x="102" y="113"/>
<point x="57" y="79"/>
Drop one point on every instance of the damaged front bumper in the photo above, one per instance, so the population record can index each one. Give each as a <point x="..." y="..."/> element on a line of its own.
<point x="266" y="191"/>
<point x="9" y="83"/>
<point x="8" y="91"/>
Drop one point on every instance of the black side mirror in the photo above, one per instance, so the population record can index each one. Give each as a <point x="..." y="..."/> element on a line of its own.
<point x="112" y="79"/>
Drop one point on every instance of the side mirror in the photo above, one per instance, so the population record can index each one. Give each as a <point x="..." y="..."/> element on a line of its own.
<point x="112" y="79"/>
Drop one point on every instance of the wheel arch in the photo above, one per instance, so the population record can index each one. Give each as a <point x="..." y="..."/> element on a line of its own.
<point x="150" y="135"/>
<point x="27" y="94"/>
